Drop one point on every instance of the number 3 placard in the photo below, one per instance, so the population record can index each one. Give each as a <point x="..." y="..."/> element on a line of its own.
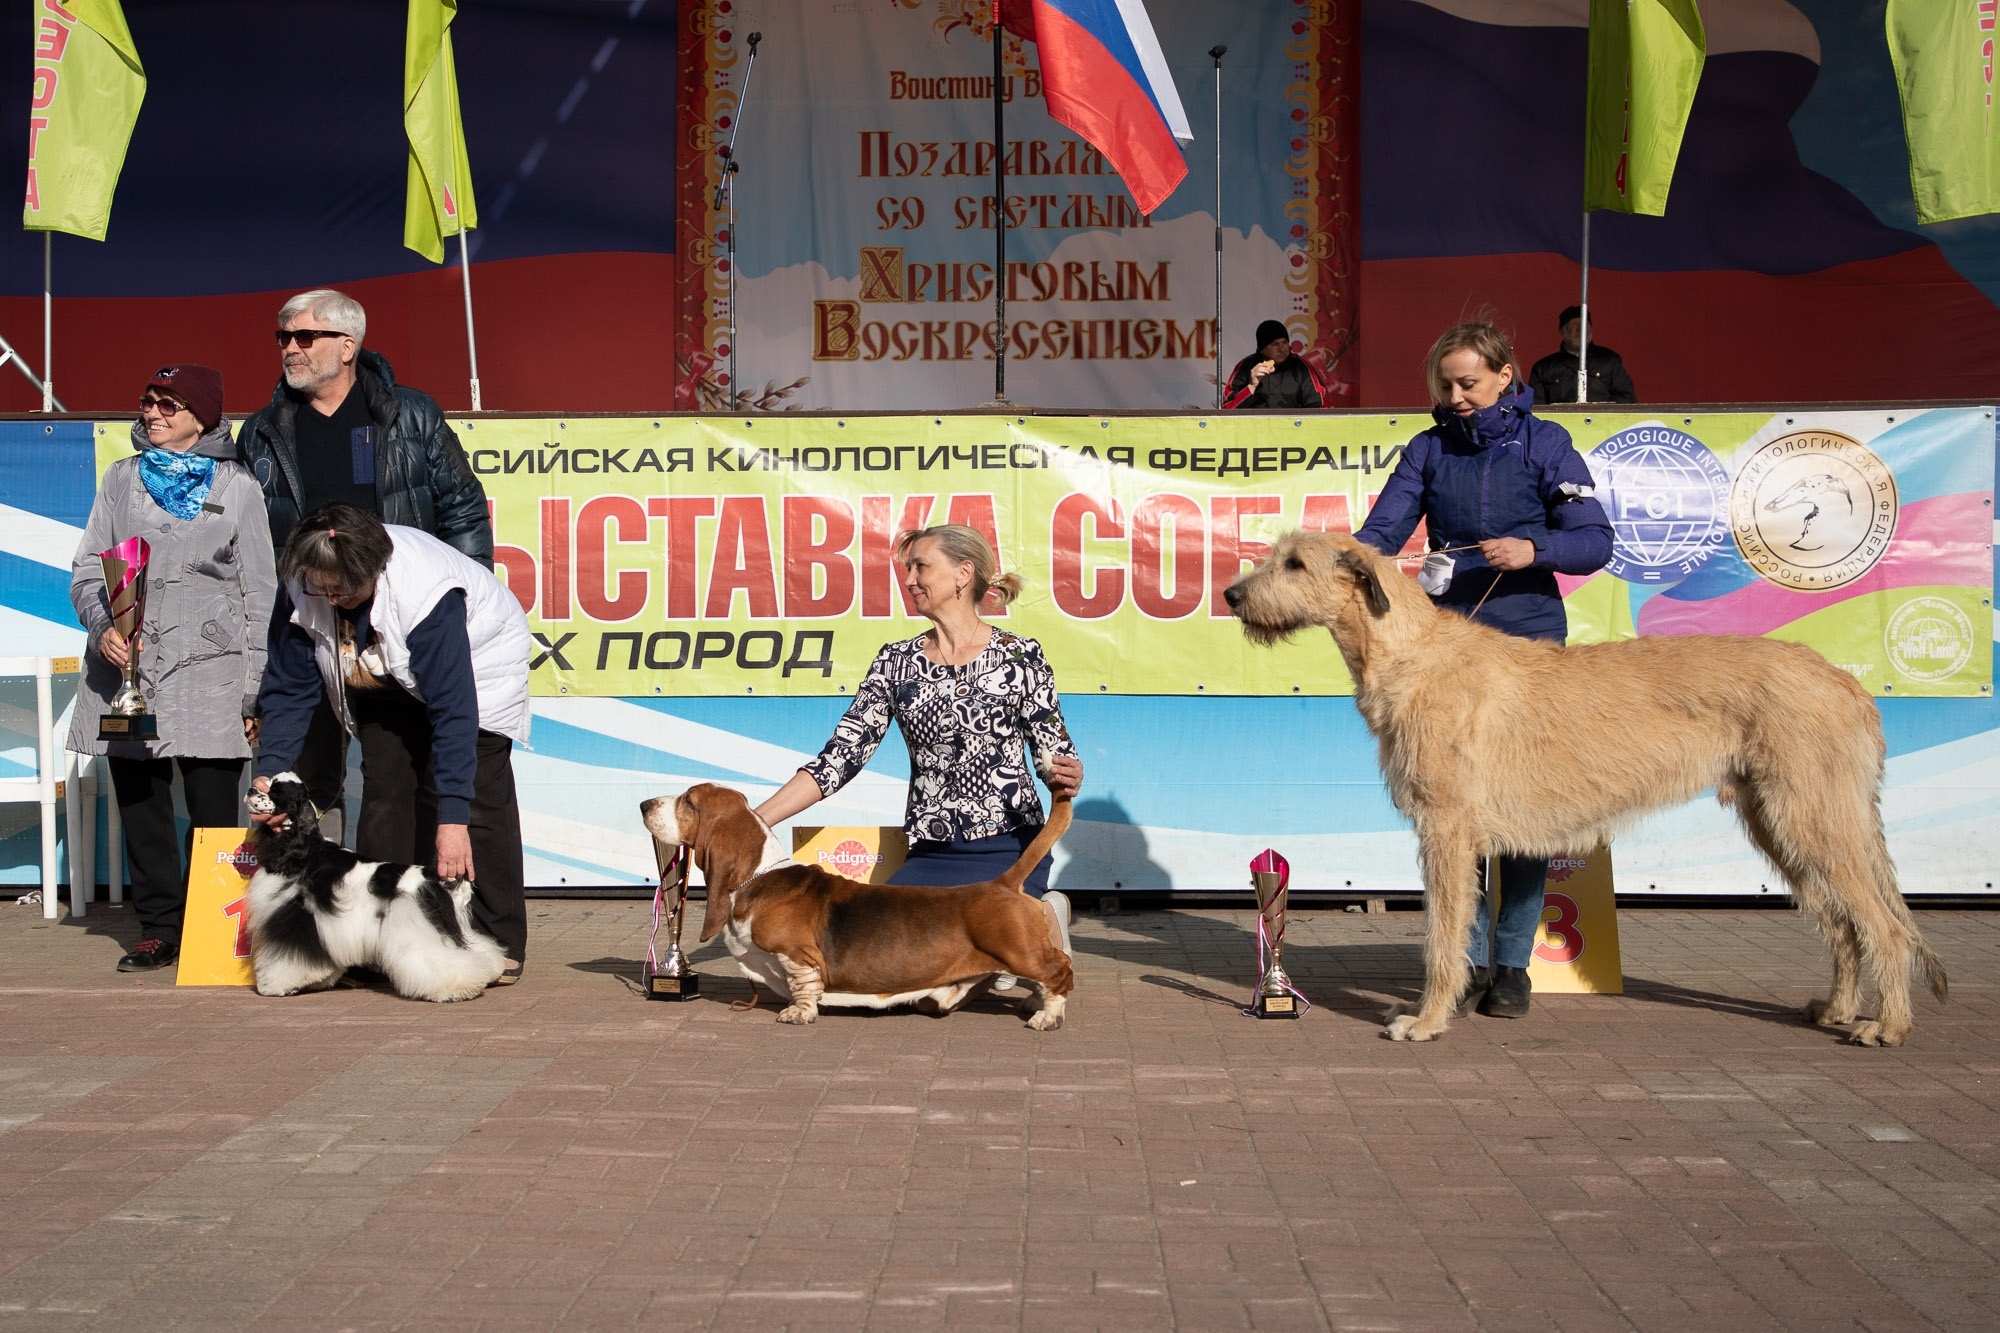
<point x="215" y="939"/>
<point x="1576" y="949"/>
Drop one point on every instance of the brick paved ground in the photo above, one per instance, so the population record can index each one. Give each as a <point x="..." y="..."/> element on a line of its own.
<point x="1684" y="1157"/>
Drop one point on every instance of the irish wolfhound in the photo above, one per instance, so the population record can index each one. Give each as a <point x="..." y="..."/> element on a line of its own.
<point x="1493" y="744"/>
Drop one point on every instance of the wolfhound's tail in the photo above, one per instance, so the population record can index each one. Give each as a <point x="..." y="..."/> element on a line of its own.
<point x="1928" y="964"/>
<point x="1059" y="819"/>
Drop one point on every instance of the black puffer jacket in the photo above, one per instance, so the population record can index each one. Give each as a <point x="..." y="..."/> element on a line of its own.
<point x="422" y="477"/>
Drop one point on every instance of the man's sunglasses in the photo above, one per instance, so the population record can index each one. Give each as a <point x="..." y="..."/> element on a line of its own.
<point x="166" y="407"/>
<point x="306" y="337"/>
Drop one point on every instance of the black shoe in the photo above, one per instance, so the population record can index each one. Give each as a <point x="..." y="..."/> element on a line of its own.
<point x="150" y="955"/>
<point x="1509" y="996"/>
<point x="1475" y="990"/>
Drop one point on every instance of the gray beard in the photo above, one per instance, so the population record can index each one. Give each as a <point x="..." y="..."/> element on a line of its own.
<point x="304" y="380"/>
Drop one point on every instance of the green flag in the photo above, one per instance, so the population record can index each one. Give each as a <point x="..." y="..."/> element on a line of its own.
<point x="439" y="201"/>
<point x="1943" y="52"/>
<point x="1645" y="60"/>
<point x="87" y="90"/>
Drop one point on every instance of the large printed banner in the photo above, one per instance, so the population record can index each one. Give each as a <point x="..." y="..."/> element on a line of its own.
<point x="719" y="557"/>
<point x="864" y="214"/>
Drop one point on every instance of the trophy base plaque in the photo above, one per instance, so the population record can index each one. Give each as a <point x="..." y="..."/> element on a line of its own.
<point x="686" y="986"/>
<point x="1275" y="1006"/>
<point x="132" y="727"/>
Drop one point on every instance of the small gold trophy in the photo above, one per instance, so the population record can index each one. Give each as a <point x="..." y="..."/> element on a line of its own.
<point x="672" y="977"/>
<point x="128" y="719"/>
<point x="1275" y="998"/>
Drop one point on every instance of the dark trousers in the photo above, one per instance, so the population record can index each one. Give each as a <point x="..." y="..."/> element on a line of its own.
<point x="969" y="861"/>
<point x="158" y="857"/>
<point x="398" y="820"/>
<point x="322" y="761"/>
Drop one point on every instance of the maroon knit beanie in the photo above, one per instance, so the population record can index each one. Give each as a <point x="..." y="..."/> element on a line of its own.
<point x="200" y="387"/>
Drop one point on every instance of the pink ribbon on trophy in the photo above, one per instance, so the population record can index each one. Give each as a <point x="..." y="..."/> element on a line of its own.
<point x="125" y="583"/>
<point x="1269" y="862"/>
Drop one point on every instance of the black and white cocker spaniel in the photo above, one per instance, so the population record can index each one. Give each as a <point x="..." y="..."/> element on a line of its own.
<point x="317" y="909"/>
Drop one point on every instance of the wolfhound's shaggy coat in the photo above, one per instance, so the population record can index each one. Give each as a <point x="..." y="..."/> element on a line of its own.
<point x="1493" y="744"/>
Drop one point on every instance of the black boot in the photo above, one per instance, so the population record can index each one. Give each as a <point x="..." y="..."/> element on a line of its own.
<point x="1509" y="996"/>
<point x="1475" y="990"/>
<point x="150" y="956"/>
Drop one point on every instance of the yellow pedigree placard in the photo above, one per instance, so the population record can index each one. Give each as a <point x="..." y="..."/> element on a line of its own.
<point x="858" y="851"/>
<point x="215" y="937"/>
<point x="1576" y="947"/>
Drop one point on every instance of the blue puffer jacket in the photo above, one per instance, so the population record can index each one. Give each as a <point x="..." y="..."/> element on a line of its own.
<point x="1497" y="473"/>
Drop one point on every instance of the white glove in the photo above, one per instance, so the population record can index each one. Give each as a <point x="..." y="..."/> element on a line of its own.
<point x="1435" y="576"/>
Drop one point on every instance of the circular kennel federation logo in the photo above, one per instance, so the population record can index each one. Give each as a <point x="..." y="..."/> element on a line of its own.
<point x="1929" y="639"/>
<point x="1667" y="495"/>
<point x="1812" y="509"/>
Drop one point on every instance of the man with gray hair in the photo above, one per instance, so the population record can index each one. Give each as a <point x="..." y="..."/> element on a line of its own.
<point x="339" y="427"/>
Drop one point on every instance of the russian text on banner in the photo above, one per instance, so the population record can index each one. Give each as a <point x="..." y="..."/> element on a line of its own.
<point x="439" y="199"/>
<point x="1645" y="61"/>
<point x="1105" y="77"/>
<point x="88" y="85"/>
<point x="1943" y="52"/>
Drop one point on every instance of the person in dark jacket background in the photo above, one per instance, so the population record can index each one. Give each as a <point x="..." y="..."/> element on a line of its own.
<point x="1554" y="377"/>
<point x="1509" y="504"/>
<point x="339" y="428"/>
<point x="1271" y="376"/>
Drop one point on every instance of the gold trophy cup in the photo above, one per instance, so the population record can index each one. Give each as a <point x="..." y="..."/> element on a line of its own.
<point x="1272" y="879"/>
<point x="128" y="718"/>
<point x="671" y="977"/>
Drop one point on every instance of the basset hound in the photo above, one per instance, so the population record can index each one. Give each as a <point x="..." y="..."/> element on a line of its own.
<point x="824" y="939"/>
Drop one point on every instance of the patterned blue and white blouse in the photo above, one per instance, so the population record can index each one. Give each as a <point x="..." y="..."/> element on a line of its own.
<point x="965" y="727"/>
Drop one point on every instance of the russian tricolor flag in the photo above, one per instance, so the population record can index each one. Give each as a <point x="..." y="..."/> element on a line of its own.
<point x="1107" y="79"/>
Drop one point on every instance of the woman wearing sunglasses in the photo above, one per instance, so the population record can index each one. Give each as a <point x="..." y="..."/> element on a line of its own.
<point x="210" y="580"/>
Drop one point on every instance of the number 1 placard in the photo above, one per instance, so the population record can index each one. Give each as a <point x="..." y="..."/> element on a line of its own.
<point x="215" y="939"/>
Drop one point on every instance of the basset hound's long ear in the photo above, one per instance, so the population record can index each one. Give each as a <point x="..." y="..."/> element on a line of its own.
<point x="1361" y="563"/>
<point x="728" y="845"/>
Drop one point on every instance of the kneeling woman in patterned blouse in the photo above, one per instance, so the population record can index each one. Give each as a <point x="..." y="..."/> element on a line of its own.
<point x="968" y="696"/>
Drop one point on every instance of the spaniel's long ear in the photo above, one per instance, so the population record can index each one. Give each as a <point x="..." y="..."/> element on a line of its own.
<point x="1361" y="564"/>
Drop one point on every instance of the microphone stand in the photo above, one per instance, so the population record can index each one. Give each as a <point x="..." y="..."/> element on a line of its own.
<point x="1216" y="53"/>
<point x="725" y="194"/>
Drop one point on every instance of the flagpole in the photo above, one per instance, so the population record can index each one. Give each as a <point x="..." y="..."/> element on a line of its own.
<point x="999" y="224"/>
<point x="48" y="320"/>
<point x="1583" y="305"/>
<point x="471" y="346"/>
<point x="725" y="195"/>
<point x="1216" y="53"/>
<point x="20" y="363"/>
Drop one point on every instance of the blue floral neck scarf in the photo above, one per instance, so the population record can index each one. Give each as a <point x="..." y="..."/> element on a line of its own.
<point x="178" y="483"/>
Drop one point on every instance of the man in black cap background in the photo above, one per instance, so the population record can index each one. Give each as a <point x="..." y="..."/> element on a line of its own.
<point x="339" y="427"/>
<point x="1554" y="377"/>
<point x="1271" y="376"/>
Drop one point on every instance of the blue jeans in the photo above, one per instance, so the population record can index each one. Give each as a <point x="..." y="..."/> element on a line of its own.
<point x="970" y="861"/>
<point x="1510" y="941"/>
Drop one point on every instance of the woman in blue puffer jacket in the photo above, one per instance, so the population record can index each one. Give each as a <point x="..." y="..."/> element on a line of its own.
<point x="1509" y="505"/>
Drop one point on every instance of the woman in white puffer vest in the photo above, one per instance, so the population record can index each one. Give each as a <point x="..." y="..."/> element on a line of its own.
<point x="423" y="654"/>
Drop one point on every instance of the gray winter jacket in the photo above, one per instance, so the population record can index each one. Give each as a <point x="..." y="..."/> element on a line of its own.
<point x="210" y="582"/>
